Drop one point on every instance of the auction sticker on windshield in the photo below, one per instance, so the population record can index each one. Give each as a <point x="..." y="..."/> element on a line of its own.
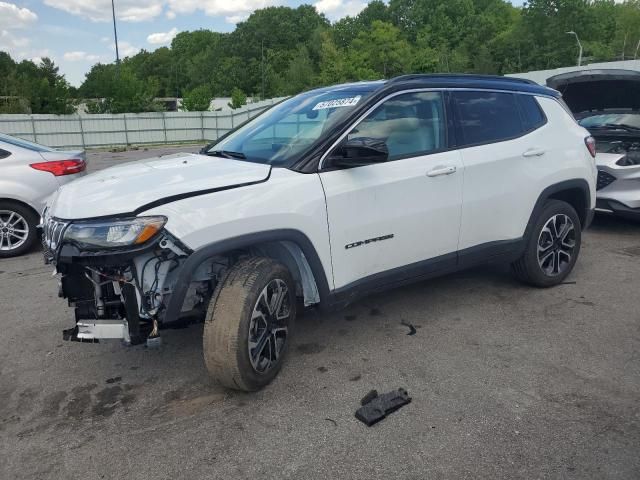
<point x="340" y="102"/>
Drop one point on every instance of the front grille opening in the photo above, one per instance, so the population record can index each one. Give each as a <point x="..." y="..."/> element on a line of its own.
<point x="604" y="179"/>
<point x="53" y="231"/>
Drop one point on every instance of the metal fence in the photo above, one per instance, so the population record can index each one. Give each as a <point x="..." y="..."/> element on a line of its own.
<point x="106" y="130"/>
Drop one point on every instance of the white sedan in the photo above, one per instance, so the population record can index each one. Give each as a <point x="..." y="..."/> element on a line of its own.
<point x="30" y="174"/>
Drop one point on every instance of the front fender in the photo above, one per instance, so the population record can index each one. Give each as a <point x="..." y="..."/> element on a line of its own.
<point x="186" y="270"/>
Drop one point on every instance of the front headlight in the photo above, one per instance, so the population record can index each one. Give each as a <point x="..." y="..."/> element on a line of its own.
<point x="115" y="233"/>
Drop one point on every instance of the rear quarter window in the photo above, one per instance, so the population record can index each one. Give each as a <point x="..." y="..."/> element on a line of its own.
<point x="4" y="154"/>
<point x="487" y="117"/>
<point x="532" y="116"/>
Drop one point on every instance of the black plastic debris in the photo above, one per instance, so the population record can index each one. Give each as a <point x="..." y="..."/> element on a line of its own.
<point x="376" y="407"/>
<point x="335" y="424"/>
<point x="412" y="329"/>
<point x="368" y="397"/>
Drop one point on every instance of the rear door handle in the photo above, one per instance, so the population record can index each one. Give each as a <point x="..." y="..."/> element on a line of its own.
<point x="436" y="172"/>
<point x="534" y="152"/>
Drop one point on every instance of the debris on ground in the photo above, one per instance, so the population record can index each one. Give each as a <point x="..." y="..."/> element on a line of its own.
<point x="368" y="397"/>
<point x="412" y="329"/>
<point x="376" y="407"/>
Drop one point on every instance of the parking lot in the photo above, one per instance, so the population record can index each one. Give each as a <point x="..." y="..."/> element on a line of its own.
<point x="507" y="382"/>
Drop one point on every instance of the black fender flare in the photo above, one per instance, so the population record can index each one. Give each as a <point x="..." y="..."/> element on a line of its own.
<point x="547" y="193"/>
<point x="192" y="262"/>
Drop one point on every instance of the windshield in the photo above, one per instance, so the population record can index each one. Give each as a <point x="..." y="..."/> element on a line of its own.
<point x="281" y="134"/>
<point x="611" y="120"/>
<point x="18" y="142"/>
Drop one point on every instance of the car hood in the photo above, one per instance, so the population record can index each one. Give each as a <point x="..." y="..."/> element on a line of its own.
<point x="134" y="187"/>
<point x="598" y="90"/>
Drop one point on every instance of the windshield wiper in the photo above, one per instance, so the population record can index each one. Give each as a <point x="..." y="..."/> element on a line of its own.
<point x="617" y="126"/>
<point x="227" y="154"/>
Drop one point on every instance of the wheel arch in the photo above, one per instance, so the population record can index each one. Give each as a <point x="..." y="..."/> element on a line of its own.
<point x="575" y="192"/>
<point x="292" y="247"/>
<point x="21" y="203"/>
<point x="292" y="256"/>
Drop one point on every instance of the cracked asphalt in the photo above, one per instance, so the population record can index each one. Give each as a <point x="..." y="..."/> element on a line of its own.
<point x="507" y="382"/>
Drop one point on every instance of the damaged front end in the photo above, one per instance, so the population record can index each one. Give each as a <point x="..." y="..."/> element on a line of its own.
<point x="118" y="275"/>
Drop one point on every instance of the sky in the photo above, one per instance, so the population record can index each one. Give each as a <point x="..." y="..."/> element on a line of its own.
<point x="78" y="33"/>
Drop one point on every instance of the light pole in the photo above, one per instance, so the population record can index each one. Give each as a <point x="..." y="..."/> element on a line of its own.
<point x="262" y="66"/>
<point x="579" y="46"/>
<point x="115" y="32"/>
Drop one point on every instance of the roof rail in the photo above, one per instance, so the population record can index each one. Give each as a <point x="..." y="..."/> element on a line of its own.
<point x="470" y="76"/>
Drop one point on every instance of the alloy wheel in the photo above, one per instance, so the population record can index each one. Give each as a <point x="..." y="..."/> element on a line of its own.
<point x="14" y="230"/>
<point x="556" y="245"/>
<point x="268" y="330"/>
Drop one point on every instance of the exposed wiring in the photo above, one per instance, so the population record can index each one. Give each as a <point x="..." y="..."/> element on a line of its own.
<point x="152" y="291"/>
<point x="94" y="282"/>
<point x="111" y="278"/>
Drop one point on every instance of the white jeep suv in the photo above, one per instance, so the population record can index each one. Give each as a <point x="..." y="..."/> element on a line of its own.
<point x="332" y="194"/>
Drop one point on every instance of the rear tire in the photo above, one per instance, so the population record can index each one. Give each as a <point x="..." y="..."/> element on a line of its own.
<point x="552" y="247"/>
<point x="18" y="229"/>
<point x="249" y="324"/>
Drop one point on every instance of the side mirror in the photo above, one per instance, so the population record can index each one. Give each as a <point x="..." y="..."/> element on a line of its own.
<point x="358" y="152"/>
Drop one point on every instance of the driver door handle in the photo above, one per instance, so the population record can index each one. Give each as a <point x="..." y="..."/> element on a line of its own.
<point x="440" y="170"/>
<point x="534" y="152"/>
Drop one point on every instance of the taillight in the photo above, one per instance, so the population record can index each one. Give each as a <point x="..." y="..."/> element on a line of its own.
<point x="61" y="167"/>
<point x="590" y="142"/>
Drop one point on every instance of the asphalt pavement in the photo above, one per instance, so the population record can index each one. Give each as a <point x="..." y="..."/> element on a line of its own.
<point x="507" y="382"/>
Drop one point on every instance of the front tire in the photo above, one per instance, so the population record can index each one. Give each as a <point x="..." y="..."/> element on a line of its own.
<point x="249" y="324"/>
<point x="552" y="248"/>
<point x="18" y="229"/>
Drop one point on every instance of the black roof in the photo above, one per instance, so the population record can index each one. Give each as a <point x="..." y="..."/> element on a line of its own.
<point x="485" y="82"/>
<point x="365" y="86"/>
<point x="488" y="82"/>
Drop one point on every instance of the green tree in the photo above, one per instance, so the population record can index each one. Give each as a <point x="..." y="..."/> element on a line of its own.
<point x="238" y="98"/>
<point x="125" y="93"/>
<point x="282" y="50"/>
<point x="46" y="89"/>
<point x="299" y="75"/>
<point x="334" y="66"/>
<point x="380" y="52"/>
<point x="347" y="29"/>
<point x="198" y="99"/>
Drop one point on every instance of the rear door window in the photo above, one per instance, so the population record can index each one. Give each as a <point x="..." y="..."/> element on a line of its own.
<point x="487" y="117"/>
